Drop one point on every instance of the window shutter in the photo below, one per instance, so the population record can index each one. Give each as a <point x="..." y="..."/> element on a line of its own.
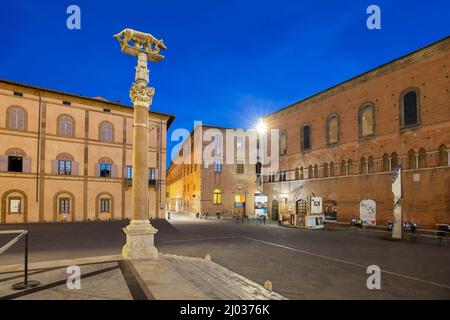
<point x="124" y="172"/>
<point x="20" y="119"/>
<point x="97" y="169"/>
<point x="3" y="163"/>
<point x="113" y="171"/>
<point x="74" y="168"/>
<point x="55" y="167"/>
<point x="11" y="119"/>
<point x="26" y="164"/>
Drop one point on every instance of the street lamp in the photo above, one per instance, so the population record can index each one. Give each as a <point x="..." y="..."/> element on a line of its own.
<point x="261" y="127"/>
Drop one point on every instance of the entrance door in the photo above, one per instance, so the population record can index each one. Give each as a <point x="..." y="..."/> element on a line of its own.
<point x="64" y="208"/>
<point x="301" y="209"/>
<point x="274" y="210"/>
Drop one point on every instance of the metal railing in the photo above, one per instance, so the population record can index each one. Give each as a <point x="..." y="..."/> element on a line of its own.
<point x="26" y="284"/>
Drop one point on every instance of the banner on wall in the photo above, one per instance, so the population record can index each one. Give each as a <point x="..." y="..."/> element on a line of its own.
<point x="261" y="204"/>
<point x="316" y="205"/>
<point x="368" y="212"/>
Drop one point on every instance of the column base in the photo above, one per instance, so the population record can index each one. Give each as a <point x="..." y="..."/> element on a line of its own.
<point x="140" y="241"/>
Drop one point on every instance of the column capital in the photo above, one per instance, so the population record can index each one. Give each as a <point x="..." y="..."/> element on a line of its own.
<point x="141" y="95"/>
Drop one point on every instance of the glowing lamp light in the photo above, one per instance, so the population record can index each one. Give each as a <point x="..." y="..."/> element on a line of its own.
<point x="261" y="127"/>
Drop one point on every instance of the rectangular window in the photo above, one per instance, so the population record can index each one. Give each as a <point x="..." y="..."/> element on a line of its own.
<point x="239" y="143"/>
<point x="15" y="164"/>
<point x="217" y="199"/>
<point x="239" y="167"/>
<point x="218" y="145"/>
<point x="15" y="205"/>
<point x="105" y="170"/>
<point x="64" y="205"/>
<point x="217" y="166"/>
<point x="18" y="94"/>
<point x="64" y="167"/>
<point x="152" y="176"/>
<point x="283" y="142"/>
<point x="129" y="172"/>
<point x="104" y="205"/>
<point x="66" y="103"/>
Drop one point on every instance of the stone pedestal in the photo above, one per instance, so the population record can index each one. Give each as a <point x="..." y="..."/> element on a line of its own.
<point x="140" y="241"/>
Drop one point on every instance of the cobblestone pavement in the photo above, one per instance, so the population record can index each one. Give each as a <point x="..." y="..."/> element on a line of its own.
<point x="301" y="264"/>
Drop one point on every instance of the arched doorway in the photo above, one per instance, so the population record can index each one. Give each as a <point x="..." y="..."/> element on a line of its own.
<point x="64" y="206"/>
<point x="104" y="206"/>
<point x="14" y="207"/>
<point x="301" y="210"/>
<point x="274" y="210"/>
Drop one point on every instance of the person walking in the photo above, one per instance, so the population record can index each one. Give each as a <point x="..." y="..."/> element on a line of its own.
<point x="413" y="227"/>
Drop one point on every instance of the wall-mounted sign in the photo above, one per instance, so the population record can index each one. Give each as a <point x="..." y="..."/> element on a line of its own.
<point x="368" y="212"/>
<point x="316" y="205"/>
<point x="261" y="204"/>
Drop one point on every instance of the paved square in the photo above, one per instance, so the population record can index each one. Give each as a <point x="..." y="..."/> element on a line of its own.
<point x="302" y="264"/>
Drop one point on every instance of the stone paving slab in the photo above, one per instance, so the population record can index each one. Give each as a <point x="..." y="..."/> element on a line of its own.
<point x="99" y="281"/>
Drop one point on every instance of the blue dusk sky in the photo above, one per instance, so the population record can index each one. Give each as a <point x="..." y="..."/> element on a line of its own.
<point x="227" y="63"/>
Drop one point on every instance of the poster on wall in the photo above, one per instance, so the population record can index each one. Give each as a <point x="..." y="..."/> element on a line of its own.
<point x="316" y="205"/>
<point x="261" y="204"/>
<point x="367" y="212"/>
<point x="330" y="210"/>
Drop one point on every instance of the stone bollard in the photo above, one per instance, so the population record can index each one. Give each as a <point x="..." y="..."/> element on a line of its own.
<point x="268" y="285"/>
<point x="208" y="257"/>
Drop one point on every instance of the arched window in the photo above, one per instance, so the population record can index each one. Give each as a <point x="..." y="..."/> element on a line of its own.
<point x="362" y="166"/>
<point x="333" y="129"/>
<point x="105" y="168"/>
<point x="412" y="159"/>
<point x="331" y="169"/>
<point x="366" y="117"/>
<point x="16" y="118"/>
<point x="217" y="196"/>
<point x="64" y="165"/>
<point x="316" y="171"/>
<point x="325" y="170"/>
<point x="66" y="126"/>
<point x="409" y="112"/>
<point x="422" y="158"/>
<point x="297" y="174"/>
<point x="349" y="167"/>
<point x="394" y="161"/>
<point x="386" y="163"/>
<point x="310" y="172"/>
<point x="343" y="170"/>
<point x="306" y="137"/>
<point x="302" y="176"/>
<point x="443" y="156"/>
<point x="106" y="131"/>
<point x="370" y="165"/>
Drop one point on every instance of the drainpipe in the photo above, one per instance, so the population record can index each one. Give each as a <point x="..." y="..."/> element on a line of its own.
<point x="38" y="160"/>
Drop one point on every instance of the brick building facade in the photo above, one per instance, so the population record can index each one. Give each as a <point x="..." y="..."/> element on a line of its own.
<point x="64" y="157"/>
<point x="343" y="143"/>
<point x="216" y="187"/>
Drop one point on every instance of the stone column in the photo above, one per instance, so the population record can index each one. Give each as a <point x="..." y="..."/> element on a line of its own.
<point x="140" y="233"/>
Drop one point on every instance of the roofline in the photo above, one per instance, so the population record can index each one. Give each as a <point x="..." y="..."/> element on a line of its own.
<point x="443" y="40"/>
<point x="171" y="117"/>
